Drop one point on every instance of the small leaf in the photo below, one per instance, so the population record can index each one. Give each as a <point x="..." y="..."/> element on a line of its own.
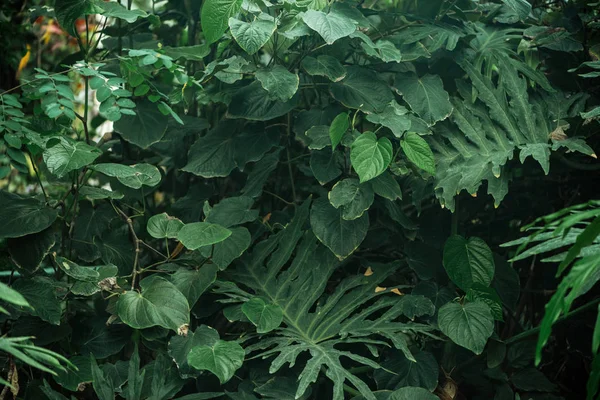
<point x="338" y="127"/>
<point x="198" y="234"/>
<point x="265" y="317"/>
<point x="418" y="152"/>
<point x="469" y="325"/>
<point x="162" y="226"/>
<point x="222" y="358"/>
<point x="370" y="157"/>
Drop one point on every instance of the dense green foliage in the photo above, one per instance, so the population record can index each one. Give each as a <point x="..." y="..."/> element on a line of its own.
<point x="297" y="199"/>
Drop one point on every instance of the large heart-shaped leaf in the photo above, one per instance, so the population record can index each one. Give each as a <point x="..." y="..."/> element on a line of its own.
<point x="22" y="216"/>
<point x="67" y="156"/>
<point x="162" y="226"/>
<point x="145" y="128"/>
<point x="469" y="325"/>
<point x="251" y="36"/>
<point x="468" y="261"/>
<point x="215" y="15"/>
<point x="279" y="82"/>
<point x="222" y="358"/>
<point x="418" y="151"/>
<point x="370" y="157"/>
<point x="265" y="316"/>
<point x="425" y="95"/>
<point x="362" y="89"/>
<point x="160" y="303"/>
<point x="198" y="234"/>
<point x="331" y="26"/>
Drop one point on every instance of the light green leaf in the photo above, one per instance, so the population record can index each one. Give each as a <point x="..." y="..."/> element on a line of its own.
<point x="319" y="137"/>
<point x="198" y="234"/>
<point x="160" y="303"/>
<point x="67" y="156"/>
<point x="96" y="193"/>
<point x="338" y="127"/>
<point x="22" y="216"/>
<point x="393" y="117"/>
<point x="362" y="89"/>
<point x="353" y="197"/>
<point x="145" y="128"/>
<point x="215" y="16"/>
<point x="89" y="287"/>
<point x="412" y="393"/>
<point x="324" y="65"/>
<point x="418" y="152"/>
<point x="426" y="96"/>
<point x="190" y="53"/>
<point x="77" y="272"/>
<point x="468" y="261"/>
<point x="279" y="82"/>
<point x="539" y="151"/>
<point x="487" y="295"/>
<point x="469" y="325"/>
<point x="162" y="226"/>
<point x="264" y="316"/>
<point x="133" y="176"/>
<point x="331" y="26"/>
<point x="116" y="10"/>
<point x="12" y="296"/>
<point x="370" y="157"/>
<point x="222" y="358"/>
<point x="251" y="36"/>
<point x="514" y="11"/>
<point x="233" y="211"/>
<point x="342" y="237"/>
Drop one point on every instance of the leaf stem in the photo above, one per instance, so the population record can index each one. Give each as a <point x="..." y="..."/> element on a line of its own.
<point x="136" y="242"/>
<point x="37" y="175"/>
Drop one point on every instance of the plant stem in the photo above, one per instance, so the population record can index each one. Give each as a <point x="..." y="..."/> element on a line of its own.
<point x="37" y="175"/>
<point x="136" y="243"/>
<point x="351" y="391"/>
<point x="568" y="315"/>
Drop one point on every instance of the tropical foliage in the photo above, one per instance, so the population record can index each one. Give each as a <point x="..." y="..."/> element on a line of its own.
<point x="297" y="199"/>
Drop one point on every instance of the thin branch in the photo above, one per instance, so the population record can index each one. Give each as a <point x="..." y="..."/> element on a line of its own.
<point x="136" y="242"/>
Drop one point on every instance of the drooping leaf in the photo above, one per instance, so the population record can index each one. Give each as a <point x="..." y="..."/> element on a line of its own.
<point x="425" y="95"/>
<point x="341" y="236"/>
<point x="418" y="152"/>
<point x="85" y="274"/>
<point x="193" y="283"/>
<point x="386" y="186"/>
<point x="468" y="261"/>
<point x="160" y="303"/>
<point x="215" y="16"/>
<point x="264" y="316"/>
<point x="370" y="156"/>
<point x="222" y="254"/>
<point x="324" y="65"/>
<point x="353" y="197"/>
<point x="145" y="128"/>
<point x="67" y="156"/>
<point x="469" y="325"/>
<point x="338" y="127"/>
<point x="251" y="36"/>
<point x="22" y="216"/>
<point x="362" y="89"/>
<point x="133" y="176"/>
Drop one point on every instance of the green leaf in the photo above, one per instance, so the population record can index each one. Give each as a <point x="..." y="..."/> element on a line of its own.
<point x="160" y="303"/>
<point x="68" y="11"/>
<point x="338" y="127"/>
<point x="469" y="325"/>
<point x="331" y="26"/>
<point x="12" y="296"/>
<point x="89" y="287"/>
<point x="225" y="252"/>
<point x="255" y="103"/>
<point x="116" y="10"/>
<point x="324" y="65"/>
<point x="515" y="10"/>
<point x="326" y="165"/>
<point x="342" y="237"/>
<point x="40" y="294"/>
<point x="319" y="137"/>
<point x="426" y="96"/>
<point x="352" y="197"/>
<point x="77" y="272"/>
<point x="180" y="347"/>
<point x="29" y="251"/>
<point x="251" y="36"/>
<point x="71" y="378"/>
<point x="193" y="283"/>
<point x="362" y="89"/>
<point x="102" y="385"/>
<point x="412" y="393"/>
<point x="264" y="316"/>
<point x="370" y="157"/>
<point x="95" y="193"/>
<point x="398" y="372"/>
<point x="468" y="261"/>
<point x="133" y="176"/>
<point x="189" y="53"/>
<point x="418" y="152"/>
<point x="222" y="358"/>
<point x="145" y="128"/>
<point x="279" y="82"/>
<point x="386" y="186"/>
<point x="394" y="117"/>
<point x="162" y="226"/>
<point x="233" y="211"/>
<point x="67" y="156"/>
<point x="532" y="379"/>
<point x="487" y="295"/>
<point x="22" y="216"/>
<point x="215" y="15"/>
<point x="135" y="380"/>
<point x="198" y="234"/>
